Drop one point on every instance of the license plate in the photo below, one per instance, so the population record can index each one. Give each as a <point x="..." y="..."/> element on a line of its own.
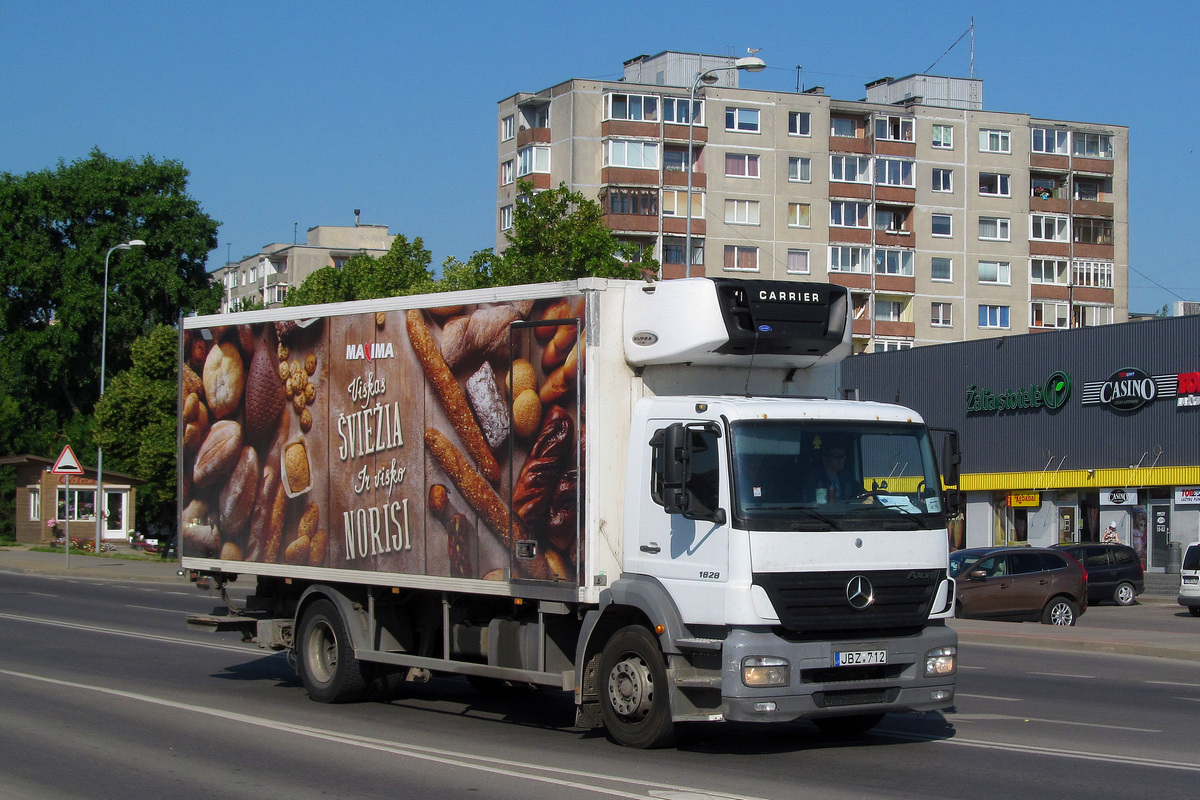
<point x="855" y="657"/>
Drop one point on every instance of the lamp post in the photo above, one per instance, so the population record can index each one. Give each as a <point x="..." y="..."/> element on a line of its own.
<point x="101" y="504"/>
<point x="749" y="64"/>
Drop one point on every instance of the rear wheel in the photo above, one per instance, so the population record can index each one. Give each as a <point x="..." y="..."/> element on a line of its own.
<point x="1195" y="610"/>
<point x="848" y="726"/>
<point x="325" y="658"/>
<point x="1124" y="594"/>
<point x="634" y="696"/>
<point x="1060" y="611"/>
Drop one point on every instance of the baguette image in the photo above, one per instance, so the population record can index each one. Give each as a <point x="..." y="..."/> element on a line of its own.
<point x="473" y="487"/>
<point x="452" y="397"/>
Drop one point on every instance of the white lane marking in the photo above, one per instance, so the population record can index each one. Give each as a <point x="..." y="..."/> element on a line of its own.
<point x="1192" y="699"/>
<point x="497" y="766"/>
<point x="1172" y="683"/>
<point x="988" y="697"/>
<point x="1064" y="675"/>
<point x="132" y="634"/>
<point x="154" y="608"/>
<point x="1054" y="752"/>
<point x="1021" y="718"/>
<point x="966" y="666"/>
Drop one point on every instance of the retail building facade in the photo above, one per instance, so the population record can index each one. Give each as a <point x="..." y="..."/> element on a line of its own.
<point x="1083" y="435"/>
<point x="947" y="222"/>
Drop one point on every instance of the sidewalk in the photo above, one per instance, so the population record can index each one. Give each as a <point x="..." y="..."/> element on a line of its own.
<point x="1103" y="629"/>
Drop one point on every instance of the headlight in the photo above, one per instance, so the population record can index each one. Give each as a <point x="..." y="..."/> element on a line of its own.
<point x="941" y="661"/>
<point x="765" y="671"/>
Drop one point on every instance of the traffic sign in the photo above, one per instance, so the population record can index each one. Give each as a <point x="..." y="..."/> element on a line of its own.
<point x="67" y="463"/>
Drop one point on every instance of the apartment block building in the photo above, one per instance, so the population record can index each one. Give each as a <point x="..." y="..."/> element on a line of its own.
<point x="946" y="221"/>
<point x="266" y="276"/>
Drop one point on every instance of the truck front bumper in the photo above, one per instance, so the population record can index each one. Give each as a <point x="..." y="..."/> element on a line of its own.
<point x="817" y="687"/>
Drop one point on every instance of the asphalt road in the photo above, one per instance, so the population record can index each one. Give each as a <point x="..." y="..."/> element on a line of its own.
<point x="107" y="694"/>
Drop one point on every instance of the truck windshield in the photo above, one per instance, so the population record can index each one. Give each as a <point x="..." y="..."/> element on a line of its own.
<point x="819" y="476"/>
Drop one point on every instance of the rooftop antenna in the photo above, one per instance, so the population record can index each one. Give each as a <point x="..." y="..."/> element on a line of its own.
<point x="970" y="30"/>
<point x="356" y="213"/>
<point x="295" y="227"/>
<point x="798" y="68"/>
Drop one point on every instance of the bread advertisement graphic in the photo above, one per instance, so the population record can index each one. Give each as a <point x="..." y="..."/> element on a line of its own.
<point x="441" y="441"/>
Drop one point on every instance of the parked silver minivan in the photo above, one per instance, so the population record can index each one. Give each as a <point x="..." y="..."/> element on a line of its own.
<point x="1189" y="579"/>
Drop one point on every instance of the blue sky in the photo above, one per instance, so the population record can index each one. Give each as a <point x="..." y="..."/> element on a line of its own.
<point x="300" y="112"/>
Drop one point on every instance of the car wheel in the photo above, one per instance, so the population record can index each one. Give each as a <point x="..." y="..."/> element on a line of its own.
<point x="1060" y="611"/>
<point x="635" y="699"/>
<point x="1195" y="610"/>
<point x="1124" y="594"/>
<point x="325" y="659"/>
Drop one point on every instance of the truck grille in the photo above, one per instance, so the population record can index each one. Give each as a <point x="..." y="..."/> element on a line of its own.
<point x="818" y="602"/>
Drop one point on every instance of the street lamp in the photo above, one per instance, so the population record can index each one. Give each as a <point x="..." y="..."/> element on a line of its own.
<point x="101" y="504"/>
<point x="749" y="64"/>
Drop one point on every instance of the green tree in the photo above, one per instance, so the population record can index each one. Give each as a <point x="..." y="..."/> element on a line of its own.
<point x="403" y="269"/>
<point x="136" y="422"/>
<point x="56" y="227"/>
<point x="557" y="235"/>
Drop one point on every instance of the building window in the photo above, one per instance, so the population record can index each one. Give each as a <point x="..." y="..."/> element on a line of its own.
<point x="643" y="202"/>
<point x="738" y="257"/>
<point x="533" y="159"/>
<point x="675" y="109"/>
<point x="800" y="170"/>
<point x="941" y="315"/>
<point x="995" y="272"/>
<point x="993" y="316"/>
<point x="799" y="215"/>
<point x="506" y="217"/>
<point x="941" y="225"/>
<point x="1048" y="315"/>
<point x="893" y="172"/>
<point x="1092" y="145"/>
<point x="994" y="141"/>
<point x="636" y="107"/>
<point x="891" y="345"/>
<point x="843" y="258"/>
<point x="943" y="180"/>
<point x="339" y="262"/>
<point x="741" y="165"/>
<point x="1051" y="141"/>
<point x="1092" y="273"/>
<point x="888" y="310"/>
<point x="894" y="262"/>
<point x="941" y="269"/>
<point x="799" y="123"/>
<point x="943" y="137"/>
<point x="1045" y="270"/>
<point x="894" y="129"/>
<point x="994" y="183"/>
<point x="76" y="504"/>
<point x="1093" y="231"/>
<point x="846" y="127"/>
<point x="1089" y="316"/>
<point x="1045" y="228"/>
<point x="994" y="229"/>
<point x="506" y="173"/>
<point x="797" y="262"/>
<point x="850" y="169"/>
<point x="508" y="128"/>
<point x="744" y="120"/>
<point x="674" y="203"/>
<point x="891" y="220"/>
<point x="35" y="501"/>
<point x="741" y="212"/>
<point x="1092" y="189"/>
<point x="673" y="251"/>
<point x="675" y="159"/>
<point x="848" y="214"/>
<point x="630" y="153"/>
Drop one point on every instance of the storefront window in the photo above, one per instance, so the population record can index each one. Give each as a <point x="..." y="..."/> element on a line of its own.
<point x="77" y="504"/>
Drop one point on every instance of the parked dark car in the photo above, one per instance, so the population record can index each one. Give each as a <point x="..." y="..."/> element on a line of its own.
<point x="1114" y="571"/>
<point x="1019" y="583"/>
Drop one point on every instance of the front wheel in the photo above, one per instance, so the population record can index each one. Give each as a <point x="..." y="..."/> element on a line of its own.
<point x="848" y="726"/>
<point x="1194" y="611"/>
<point x="635" y="698"/>
<point x="1124" y="594"/>
<point x="325" y="659"/>
<point x="1060" y="611"/>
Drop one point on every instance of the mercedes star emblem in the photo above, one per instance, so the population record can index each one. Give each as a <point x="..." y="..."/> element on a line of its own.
<point x="860" y="593"/>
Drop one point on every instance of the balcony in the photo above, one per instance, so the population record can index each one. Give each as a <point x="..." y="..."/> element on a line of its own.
<point x="849" y="235"/>
<point x="1049" y="291"/>
<point x="1097" y="166"/>
<point x="896" y="194"/>
<point x="1037" y="247"/>
<point x="629" y="176"/>
<point x="853" y="191"/>
<point x="678" y="177"/>
<point x="1093" y="208"/>
<point x="679" y="133"/>
<point x="1050" y="162"/>
<point x="885" y="327"/>
<point x="1101" y="252"/>
<point x="633" y="223"/>
<point x="887" y="147"/>
<point x="626" y="128"/>
<point x="678" y="225"/>
<point x="896" y="284"/>
<point x="849" y="144"/>
<point x="528" y="136"/>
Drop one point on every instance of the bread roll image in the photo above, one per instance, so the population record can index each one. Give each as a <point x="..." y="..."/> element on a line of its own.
<point x="224" y="379"/>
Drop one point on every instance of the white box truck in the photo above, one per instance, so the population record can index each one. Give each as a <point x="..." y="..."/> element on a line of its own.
<point x="648" y="494"/>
